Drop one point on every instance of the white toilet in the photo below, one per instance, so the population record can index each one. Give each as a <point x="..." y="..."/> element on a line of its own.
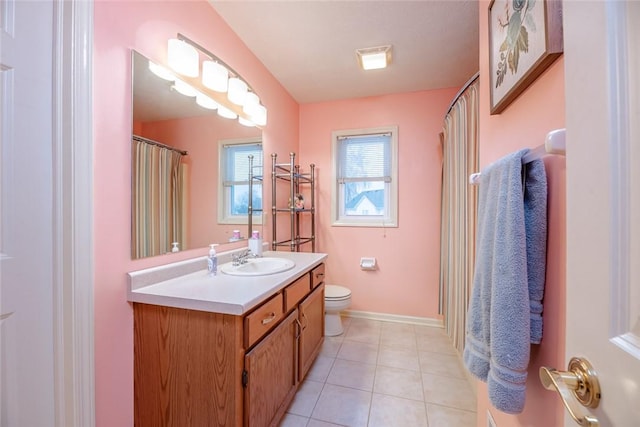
<point x="336" y="299"/>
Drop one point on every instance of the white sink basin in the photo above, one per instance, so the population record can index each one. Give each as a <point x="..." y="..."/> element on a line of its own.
<point x="258" y="267"/>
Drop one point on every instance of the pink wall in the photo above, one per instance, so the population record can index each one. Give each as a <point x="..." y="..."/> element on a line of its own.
<point x="406" y="282"/>
<point x="146" y="26"/>
<point x="524" y="124"/>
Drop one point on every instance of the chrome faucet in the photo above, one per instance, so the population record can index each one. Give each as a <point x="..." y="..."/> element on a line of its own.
<point x="241" y="257"/>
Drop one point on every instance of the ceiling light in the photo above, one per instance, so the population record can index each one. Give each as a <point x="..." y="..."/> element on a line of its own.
<point x="373" y="58"/>
<point x="183" y="58"/>
<point x="215" y="76"/>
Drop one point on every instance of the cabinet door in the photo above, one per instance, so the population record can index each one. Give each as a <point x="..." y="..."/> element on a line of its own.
<point x="312" y="335"/>
<point x="271" y="375"/>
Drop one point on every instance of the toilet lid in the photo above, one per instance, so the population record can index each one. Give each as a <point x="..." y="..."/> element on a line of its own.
<point x="336" y="292"/>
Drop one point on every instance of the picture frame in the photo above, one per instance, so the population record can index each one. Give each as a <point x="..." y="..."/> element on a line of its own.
<point x="525" y="38"/>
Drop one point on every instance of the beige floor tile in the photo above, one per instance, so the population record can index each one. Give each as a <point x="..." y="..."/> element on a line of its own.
<point x="358" y="351"/>
<point x="436" y="344"/>
<point x="399" y="383"/>
<point x="385" y="374"/>
<point x="433" y="331"/>
<point x="330" y="346"/>
<point x="401" y="339"/>
<point x="368" y="332"/>
<point x="448" y="391"/>
<point x="291" y="420"/>
<point x="318" y="423"/>
<point x="320" y="368"/>
<point x="441" y="364"/>
<point x="441" y="416"/>
<point x="306" y="398"/>
<point x="390" y="411"/>
<point x="398" y="357"/>
<point x="343" y="406"/>
<point x="352" y="374"/>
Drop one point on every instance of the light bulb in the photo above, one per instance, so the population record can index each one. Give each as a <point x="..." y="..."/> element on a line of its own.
<point x="215" y="76"/>
<point x="183" y="58"/>
<point x="237" y="91"/>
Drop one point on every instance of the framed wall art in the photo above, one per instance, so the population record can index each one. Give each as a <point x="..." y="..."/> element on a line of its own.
<point x="525" y="37"/>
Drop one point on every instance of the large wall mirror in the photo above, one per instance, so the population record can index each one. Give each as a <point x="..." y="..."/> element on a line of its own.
<point x="182" y="144"/>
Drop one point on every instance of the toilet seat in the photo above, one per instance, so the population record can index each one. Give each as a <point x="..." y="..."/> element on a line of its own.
<point x="336" y="293"/>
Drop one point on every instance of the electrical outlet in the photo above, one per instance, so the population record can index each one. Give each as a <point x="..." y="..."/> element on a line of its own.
<point x="490" y="421"/>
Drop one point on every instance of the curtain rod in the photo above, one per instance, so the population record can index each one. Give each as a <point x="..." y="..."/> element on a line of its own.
<point x="159" y="144"/>
<point x="461" y="91"/>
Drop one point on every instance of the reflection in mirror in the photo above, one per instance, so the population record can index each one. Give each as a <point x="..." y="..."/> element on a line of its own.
<point x="171" y="130"/>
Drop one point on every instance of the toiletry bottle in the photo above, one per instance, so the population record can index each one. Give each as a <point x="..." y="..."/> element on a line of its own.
<point x="255" y="243"/>
<point x="212" y="260"/>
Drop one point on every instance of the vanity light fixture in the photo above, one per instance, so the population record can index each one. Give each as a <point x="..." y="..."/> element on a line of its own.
<point x="374" y="58"/>
<point x="260" y="116"/>
<point x="251" y="101"/>
<point x="215" y="76"/>
<point x="205" y="102"/>
<point x="161" y="71"/>
<point x="245" y="122"/>
<point x="184" y="88"/>
<point x="226" y="113"/>
<point x="241" y="100"/>
<point x="237" y="91"/>
<point x="183" y="58"/>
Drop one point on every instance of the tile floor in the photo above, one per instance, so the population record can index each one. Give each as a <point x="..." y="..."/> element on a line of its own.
<point x="383" y="374"/>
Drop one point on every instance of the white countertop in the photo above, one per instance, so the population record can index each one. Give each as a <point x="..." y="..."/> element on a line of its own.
<point x="187" y="284"/>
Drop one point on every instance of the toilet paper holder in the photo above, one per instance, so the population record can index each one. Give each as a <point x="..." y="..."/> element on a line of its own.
<point x="368" y="263"/>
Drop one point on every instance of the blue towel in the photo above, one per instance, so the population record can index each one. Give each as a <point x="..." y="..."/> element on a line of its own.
<point x="505" y="311"/>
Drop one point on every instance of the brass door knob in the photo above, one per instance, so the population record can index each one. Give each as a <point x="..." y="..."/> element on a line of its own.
<point x="577" y="386"/>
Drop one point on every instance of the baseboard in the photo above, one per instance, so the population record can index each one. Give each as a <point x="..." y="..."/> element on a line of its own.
<point x="384" y="317"/>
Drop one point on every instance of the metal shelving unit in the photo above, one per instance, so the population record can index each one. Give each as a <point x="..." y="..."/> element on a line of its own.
<point x="253" y="178"/>
<point x="299" y="182"/>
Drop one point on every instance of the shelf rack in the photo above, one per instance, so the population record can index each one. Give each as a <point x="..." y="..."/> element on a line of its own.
<point x="297" y="180"/>
<point x="253" y="177"/>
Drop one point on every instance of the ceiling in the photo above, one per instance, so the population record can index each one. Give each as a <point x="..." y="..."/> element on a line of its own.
<point x="309" y="46"/>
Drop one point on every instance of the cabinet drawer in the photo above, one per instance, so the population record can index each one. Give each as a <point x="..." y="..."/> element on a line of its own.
<point x="262" y="320"/>
<point x="296" y="291"/>
<point x="317" y="276"/>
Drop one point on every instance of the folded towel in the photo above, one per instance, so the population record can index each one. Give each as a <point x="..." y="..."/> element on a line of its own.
<point x="499" y="324"/>
<point x="535" y="221"/>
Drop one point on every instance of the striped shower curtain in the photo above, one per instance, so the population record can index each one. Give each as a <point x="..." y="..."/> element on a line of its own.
<point x="157" y="199"/>
<point x="458" y="215"/>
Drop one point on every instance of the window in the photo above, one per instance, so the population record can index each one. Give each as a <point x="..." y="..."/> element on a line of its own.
<point x="366" y="177"/>
<point x="233" y="194"/>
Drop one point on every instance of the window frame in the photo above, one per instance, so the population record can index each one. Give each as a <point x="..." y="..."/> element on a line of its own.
<point x="337" y="202"/>
<point x="224" y="193"/>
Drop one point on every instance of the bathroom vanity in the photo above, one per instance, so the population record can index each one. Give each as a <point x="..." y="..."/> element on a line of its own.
<point x="223" y="350"/>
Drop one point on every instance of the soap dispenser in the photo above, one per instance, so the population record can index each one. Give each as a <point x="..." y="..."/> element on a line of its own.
<point x="212" y="260"/>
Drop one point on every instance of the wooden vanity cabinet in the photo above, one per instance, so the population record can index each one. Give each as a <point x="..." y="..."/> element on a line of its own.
<point x="201" y="369"/>
<point x="270" y="375"/>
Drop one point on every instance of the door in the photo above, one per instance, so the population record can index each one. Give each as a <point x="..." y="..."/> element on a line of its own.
<point x="271" y="374"/>
<point x="602" y="65"/>
<point x="26" y="209"/>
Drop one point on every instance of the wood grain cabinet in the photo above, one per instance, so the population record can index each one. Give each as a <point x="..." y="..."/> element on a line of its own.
<point x="199" y="369"/>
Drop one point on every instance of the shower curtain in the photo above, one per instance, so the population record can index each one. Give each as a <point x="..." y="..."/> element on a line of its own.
<point x="157" y="204"/>
<point x="459" y="140"/>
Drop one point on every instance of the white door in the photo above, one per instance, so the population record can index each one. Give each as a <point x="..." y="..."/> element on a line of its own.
<point x="602" y="60"/>
<point x="26" y="229"/>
